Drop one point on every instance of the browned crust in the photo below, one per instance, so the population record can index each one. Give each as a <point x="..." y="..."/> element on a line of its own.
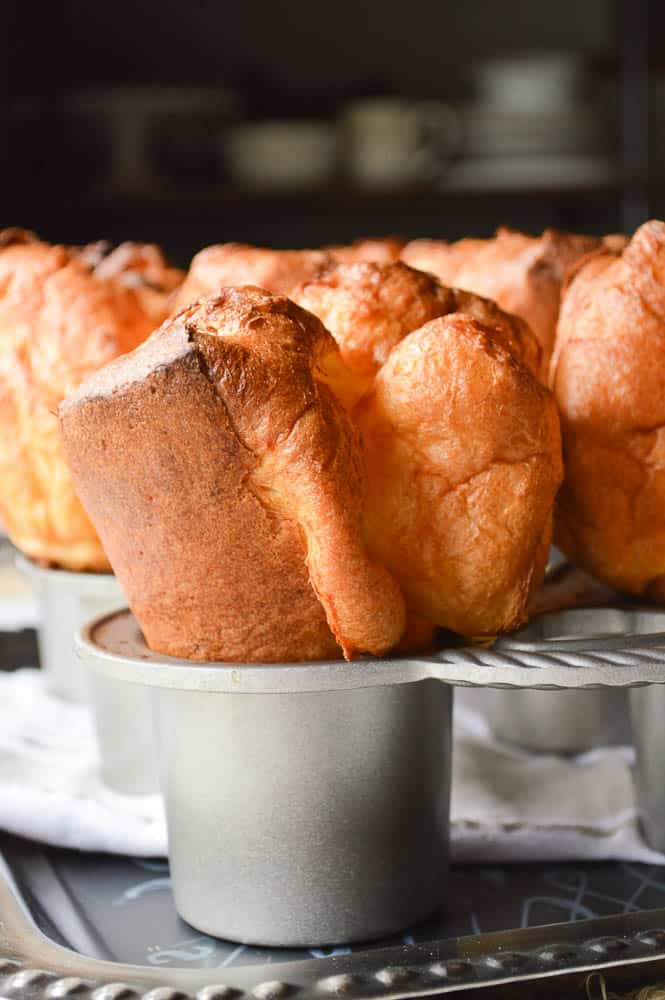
<point x="58" y="322"/>
<point x="464" y="460"/>
<point x="137" y="265"/>
<point x="14" y="235"/>
<point x="369" y="308"/>
<point x="376" y="250"/>
<point x="461" y="443"/>
<point x="227" y="485"/>
<point x="522" y="273"/>
<point x="608" y="375"/>
<point x="235" y="264"/>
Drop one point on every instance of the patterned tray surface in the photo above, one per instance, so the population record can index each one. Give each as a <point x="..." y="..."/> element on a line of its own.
<point x="122" y="909"/>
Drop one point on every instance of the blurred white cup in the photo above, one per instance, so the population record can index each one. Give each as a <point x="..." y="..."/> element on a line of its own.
<point x="532" y="82"/>
<point x="284" y="153"/>
<point x="393" y="141"/>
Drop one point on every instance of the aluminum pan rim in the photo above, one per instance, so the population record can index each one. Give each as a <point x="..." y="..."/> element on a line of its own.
<point x="87" y="584"/>
<point x="621" y="661"/>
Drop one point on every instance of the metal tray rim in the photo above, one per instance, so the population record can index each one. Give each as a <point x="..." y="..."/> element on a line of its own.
<point x="33" y="967"/>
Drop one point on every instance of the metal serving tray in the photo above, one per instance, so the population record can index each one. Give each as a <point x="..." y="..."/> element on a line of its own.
<point x="105" y="928"/>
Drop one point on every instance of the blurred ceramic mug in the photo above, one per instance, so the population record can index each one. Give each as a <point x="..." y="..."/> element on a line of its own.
<point x="393" y="141"/>
<point x="535" y="83"/>
<point x="287" y="153"/>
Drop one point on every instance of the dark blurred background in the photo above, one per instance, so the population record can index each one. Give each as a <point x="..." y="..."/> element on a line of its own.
<point x="301" y="123"/>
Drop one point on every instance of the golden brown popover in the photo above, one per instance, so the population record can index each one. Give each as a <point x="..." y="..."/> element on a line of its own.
<point x="228" y="487"/>
<point x="608" y="376"/>
<point x="369" y="308"/>
<point x="229" y="264"/>
<point x="522" y="273"/>
<point x="142" y="266"/>
<point x="61" y="317"/>
<point x="461" y="443"/>
<point x="373" y="250"/>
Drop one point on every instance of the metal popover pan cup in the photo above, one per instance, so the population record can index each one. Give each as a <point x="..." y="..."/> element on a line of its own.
<point x="122" y="713"/>
<point x="565" y="722"/>
<point x="299" y="818"/>
<point x="561" y="721"/>
<point x="66" y="601"/>
<point x="308" y="803"/>
<point x="647" y="712"/>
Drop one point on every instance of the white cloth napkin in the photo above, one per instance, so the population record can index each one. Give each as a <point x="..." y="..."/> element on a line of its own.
<point x="49" y="777"/>
<point x="511" y="805"/>
<point x="506" y="805"/>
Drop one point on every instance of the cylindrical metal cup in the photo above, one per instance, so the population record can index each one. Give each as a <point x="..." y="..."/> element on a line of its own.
<point x="558" y="721"/>
<point x="561" y="721"/>
<point x="647" y="711"/>
<point x="300" y="818"/>
<point x="123" y="712"/>
<point x="324" y="818"/>
<point x="125" y="736"/>
<point x="67" y="600"/>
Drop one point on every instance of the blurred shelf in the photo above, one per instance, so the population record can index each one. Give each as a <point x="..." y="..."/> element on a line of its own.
<point x="218" y="197"/>
<point x="184" y="217"/>
<point x="218" y="194"/>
